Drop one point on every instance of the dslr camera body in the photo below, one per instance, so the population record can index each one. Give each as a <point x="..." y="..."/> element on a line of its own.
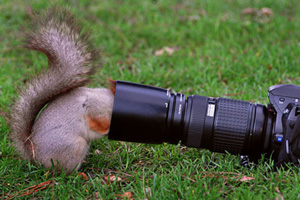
<point x="147" y="114"/>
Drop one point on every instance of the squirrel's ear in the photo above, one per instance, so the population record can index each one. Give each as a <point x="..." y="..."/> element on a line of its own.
<point x="112" y="85"/>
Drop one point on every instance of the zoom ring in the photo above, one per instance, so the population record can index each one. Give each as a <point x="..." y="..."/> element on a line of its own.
<point x="232" y="121"/>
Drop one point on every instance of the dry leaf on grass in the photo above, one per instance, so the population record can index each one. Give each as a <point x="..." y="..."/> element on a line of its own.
<point x="246" y="178"/>
<point x="280" y="196"/>
<point x="111" y="178"/>
<point x="168" y="50"/>
<point x="148" y="189"/>
<point x="127" y="195"/>
<point x="97" y="196"/>
<point x="83" y="176"/>
<point x="97" y="152"/>
<point x="256" y="12"/>
<point x="250" y="11"/>
<point x="193" y="18"/>
<point x="266" y="11"/>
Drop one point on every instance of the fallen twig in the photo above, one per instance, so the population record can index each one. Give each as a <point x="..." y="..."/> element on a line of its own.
<point x="225" y="175"/>
<point x="32" y="189"/>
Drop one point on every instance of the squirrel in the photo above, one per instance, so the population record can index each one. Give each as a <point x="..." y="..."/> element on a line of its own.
<point x="55" y="117"/>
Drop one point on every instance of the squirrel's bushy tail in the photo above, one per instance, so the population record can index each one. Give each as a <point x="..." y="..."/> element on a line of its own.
<point x="71" y="59"/>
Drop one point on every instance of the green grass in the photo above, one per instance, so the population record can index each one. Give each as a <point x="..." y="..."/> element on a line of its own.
<point x="221" y="52"/>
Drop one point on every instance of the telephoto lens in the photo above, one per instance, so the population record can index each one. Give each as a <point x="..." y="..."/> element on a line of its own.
<point x="147" y="114"/>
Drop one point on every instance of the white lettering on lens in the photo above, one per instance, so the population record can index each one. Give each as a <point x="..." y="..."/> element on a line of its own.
<point x="179" y="110"/>
<point x="211" y="110"/>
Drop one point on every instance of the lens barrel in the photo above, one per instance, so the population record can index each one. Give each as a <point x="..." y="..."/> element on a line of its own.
<point x="146" y="114"/>
<point x="223" y="124"/>
<point x="154" y="115"/>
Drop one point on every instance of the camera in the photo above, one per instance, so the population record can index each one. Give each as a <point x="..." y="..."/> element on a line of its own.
<point x="147" y="114"/>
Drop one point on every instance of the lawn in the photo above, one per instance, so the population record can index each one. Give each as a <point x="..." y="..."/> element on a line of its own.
<point x="207" y="47"/>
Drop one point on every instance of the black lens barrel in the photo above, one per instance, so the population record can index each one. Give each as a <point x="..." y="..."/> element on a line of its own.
<point x="154" y="115"/>
<point x="146" y="114"/>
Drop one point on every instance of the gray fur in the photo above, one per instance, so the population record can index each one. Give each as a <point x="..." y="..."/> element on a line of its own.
<point x="61" y="132"/>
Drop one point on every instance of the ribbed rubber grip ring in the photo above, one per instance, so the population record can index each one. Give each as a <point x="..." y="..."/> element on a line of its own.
<point x="232" y="121"/>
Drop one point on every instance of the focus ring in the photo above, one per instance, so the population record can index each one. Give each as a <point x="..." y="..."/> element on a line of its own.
<point x="197" y="119"/>
<point x="232" y="121"/>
